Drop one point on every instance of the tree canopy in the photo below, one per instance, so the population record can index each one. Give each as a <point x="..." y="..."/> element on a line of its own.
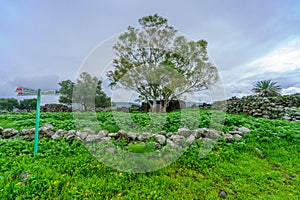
<point x="267" y="88"/>
<point x="159" y="64"/>
<point x="8" y="104"/>
<point x="28" y="104"/>
<point x="66" y="90"/>
<point x="86" y="92"/>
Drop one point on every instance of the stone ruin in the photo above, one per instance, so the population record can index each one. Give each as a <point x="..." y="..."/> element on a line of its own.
<point x="55" y="108"/>
<point x="182" y="138"/>
<point x="285" y="107"/>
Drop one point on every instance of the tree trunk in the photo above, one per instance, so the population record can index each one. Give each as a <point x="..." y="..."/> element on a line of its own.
<point x="164" y="109"/>
<point x="154" y="106"/>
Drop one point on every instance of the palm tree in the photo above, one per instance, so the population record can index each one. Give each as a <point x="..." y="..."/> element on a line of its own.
<point x="267" y="88"/>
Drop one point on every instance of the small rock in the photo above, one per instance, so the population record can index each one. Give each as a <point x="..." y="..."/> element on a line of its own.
<point x="258" y="150"/>
<point x="184" y="132"/>
<point x="289" y="176"/>
<point x="206" y="139"/>
<point x="27" y="132"/>
<point x="244" y="130"/>
<point x="1" y="129"/>
<point x="168" y="135"/>
<point x="163" y="133"/>
<point x="91" y="138"/>
<point x="228" y="137"/>
<point x="213" y="134"/>
<point x="24" y="176"/>
<point x="144" y="136"/>
<point x="172" y="144"/>
<point x="71" y="132"/>
<point x="178" y="139"/>
<point x="275" y="166"/>
<point x="9" y="132"/>
<point x="132" y="135"/>
<point x="235" y="132"/>
<point x="157" y="145"/>
<point x="237" y="137"/>
<point x="103" y="133"/>
<point x="223" y="194"/>
<point x="200" y="132"/>
<point x="47" y="130"/>
<point x="71" y="136"/>
<point x="106" y="139"/>
<point x="82" y="135"/>
<point x="161" y="139"/>
<point x="122" y="132"/>
<point x="190" y="140"/>
<point x="114" y="135"/>
<point x="59" y="133"/>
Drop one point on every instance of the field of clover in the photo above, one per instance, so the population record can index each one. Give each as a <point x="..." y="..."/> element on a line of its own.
<point x="262" y="165"/>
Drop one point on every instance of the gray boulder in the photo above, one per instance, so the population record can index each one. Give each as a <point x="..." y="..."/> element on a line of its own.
<point x="190" y="140"/>
<point x="161" y="139"/>
<point x="213" y="134"/>
<point x="106" y="139"/>
<point x="178" y="139"/>
<point x="72" y="134"/>
<point x="27" y="131"/>
<point x="27" y="134"/>
<point x="91" y="138"/>
<point x="244" y="130"/>
<point x="82" y="135"/>
<point x="206" y="139"/>
<point x="102" y="133"/>
<point x="144" y="136"/>
<point x="237" y="137"/>
<point x="184" y="132"/>
<point x="59" y="133"/>
<point x="9" y="133"/>
<point x="201" y="132"/>
<point x="168" y="135"/>
<point x="132" y="136"/>
<point x="113" y="135"/>
<point x="172" y="144"/>
<point x="228" y="137"/>
<point x="235" y="132"/>
<point x="47" y="130"/>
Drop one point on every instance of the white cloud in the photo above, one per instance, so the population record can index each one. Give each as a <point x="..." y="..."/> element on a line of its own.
<point x="284" y="58"/>
<point x="290" y="90"/>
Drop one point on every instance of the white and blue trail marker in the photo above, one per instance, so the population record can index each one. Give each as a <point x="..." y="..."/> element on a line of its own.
<point x="28" y="92"/>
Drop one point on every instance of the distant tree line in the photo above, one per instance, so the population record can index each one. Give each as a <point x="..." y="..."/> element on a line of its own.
<point x="85" y="92"/>
<point x="9" y="104"/>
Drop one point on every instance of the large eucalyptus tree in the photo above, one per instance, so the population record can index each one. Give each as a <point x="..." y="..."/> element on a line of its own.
<point x="160" y="64"/>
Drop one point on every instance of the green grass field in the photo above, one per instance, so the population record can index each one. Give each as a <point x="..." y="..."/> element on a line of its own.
<point x="263" y="165"/>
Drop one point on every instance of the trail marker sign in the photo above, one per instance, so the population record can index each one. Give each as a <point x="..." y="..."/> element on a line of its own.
<point x="27" y="92"/>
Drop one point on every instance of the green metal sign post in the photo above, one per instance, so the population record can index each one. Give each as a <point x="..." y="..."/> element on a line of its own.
<point x="26" y="92"/>
<point x="37" y="123"/>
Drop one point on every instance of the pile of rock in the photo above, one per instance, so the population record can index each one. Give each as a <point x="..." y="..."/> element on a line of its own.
<point x="183" y="137"/>
<point x="280" y="107"/>
<point x="55" y="108"/>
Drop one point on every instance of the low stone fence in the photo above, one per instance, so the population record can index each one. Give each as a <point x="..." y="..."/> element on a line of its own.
<point x="281" y="107"/>
<point x="183" y="137"/>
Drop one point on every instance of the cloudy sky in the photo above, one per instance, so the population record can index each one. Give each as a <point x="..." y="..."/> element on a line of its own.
<point x="44" y="42"/>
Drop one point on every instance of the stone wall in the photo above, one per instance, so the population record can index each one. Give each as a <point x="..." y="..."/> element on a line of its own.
<point x="281" y="107"/>
<point x="55" y="108"/>
<point x="182" y="138"/>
